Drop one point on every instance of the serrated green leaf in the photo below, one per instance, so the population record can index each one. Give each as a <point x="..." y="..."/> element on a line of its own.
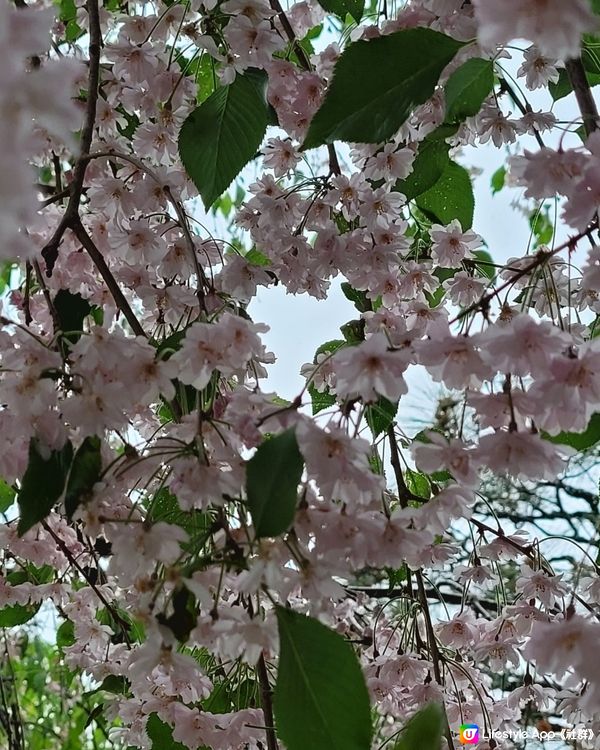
<point x="7" y="496"/>
<point x="361" y="107"/>
<point x="17" y="614"/>
<point x="342" y="8"/>
<point x="467" y="88"/>
<point x="320" y="399"/>
<point x="42" y="484"/>
<point x="272" y="478"/>
<point x="321" y="700"/>
<point x="257" y="258"/>
<point x="329" y="347"/>
<point x="358" y="298"/>
<point x="429" y="165"/>
<point x="380" y="415"/>
<point x="423" y="731"/>
<point x="450" y="198"/>
<point x="161" y="735"/>
<point x="354" y="331"/>
<point x="72" y="309"/>
<point x="541" y="227"/>
<point x="223" y="134"/>
<point x="417" y="483"/>
<point x="563" y="87"/>
<point x="486" y="265"/>
<point x="498" y="179"/>
<point x="85" y="472"/>
<point x="65" y="634"/>
<point x="581" y="441"/>
<point x="590" y="53"/>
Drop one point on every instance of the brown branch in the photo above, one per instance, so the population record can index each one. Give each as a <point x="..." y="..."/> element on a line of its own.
<point x="524" y="109"/>
<point x="404" y="494"/>
<point x="123" y="624"/>
<point x="55" y="198"/>
<point x="541" y="257"/>
<point x="177" y="207"/>
<point x="433" y="649"/>
<point x="71" y="215"/>
<point x="583" y="94"/>
<point x="98" y="259"/>
<point x="267" y="703"/>
<point x="529" y="552"/>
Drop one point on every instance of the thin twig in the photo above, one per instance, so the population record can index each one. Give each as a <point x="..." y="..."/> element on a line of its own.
<point x="541" y="257"/>
<point x="433" y="649"/>
<point x="334" y="165"/>
<point x="71" y="215"/>
<point x="405" y="495"/>
<point x="123" y="624"/>
<point x="177" y="207"/>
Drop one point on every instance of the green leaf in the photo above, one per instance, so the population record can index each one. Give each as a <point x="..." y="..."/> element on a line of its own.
<point x="590" y="53"/>
<point x="429" y="165"/>
<point x="161" y="735"/>
<point x="359" y="298"/>
<point x="42" y="484"/>
<point x="417" y="483"/>
<point x="424" y="731"/>
<point x="541" y="226"/>
<point x="324" y="399"/>
<point x="486" y="266"/>
<point x="342" y="8"/>
<point x="65" y="634"/>
<point x="376" y="85"/>
<point x="84" y="474"/>
<point x="272" y="478"/>
<point x="498" y="179"/>
<point x="321" y="699"/>
<point x="257" y="258"/>
<point x="563" y="87"/>
<point x="467" y="88"/>
<point x="184" y="616"/>
<point x="329" y="347"/>
<point x="581" y="441"/>
<point x="165" y="508"/>
<point x="223" y="134"/>
<point x="380" y="415"/>
<point x="353" y="331"/>
<point x="320" y="399"/>
<point x="450" y="198"/>
<point x="72" y="310"/>
<point x="7" y="496"/>
<point x="17" y="614"/>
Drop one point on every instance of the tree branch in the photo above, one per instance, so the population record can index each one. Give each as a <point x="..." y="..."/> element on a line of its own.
<point x="583" y="94"/>
<point x="267" y="702"/>
<point x="98" y="259"/>
<point x="177" y="207"/>
<point x="71" y="215"/>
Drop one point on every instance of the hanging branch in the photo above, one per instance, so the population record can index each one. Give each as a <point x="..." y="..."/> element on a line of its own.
<point x="71" y="215"/>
